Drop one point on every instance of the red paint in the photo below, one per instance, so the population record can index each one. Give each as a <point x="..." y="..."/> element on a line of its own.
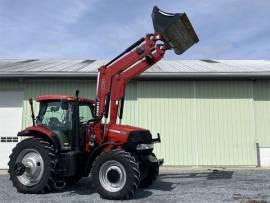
<point x="86" y="146"/>
<point x="119" y="133"/>
<point x="40" y="129"/>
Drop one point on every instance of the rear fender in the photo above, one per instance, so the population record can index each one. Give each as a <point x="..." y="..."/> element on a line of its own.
<point x="41" y="132"/>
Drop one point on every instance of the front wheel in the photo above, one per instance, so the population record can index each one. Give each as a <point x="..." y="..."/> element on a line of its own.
<point x="116" y="175"/>
<point x="151" y="172"/>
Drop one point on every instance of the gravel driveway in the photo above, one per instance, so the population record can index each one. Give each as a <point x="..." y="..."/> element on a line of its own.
<point x="173" y="186"/>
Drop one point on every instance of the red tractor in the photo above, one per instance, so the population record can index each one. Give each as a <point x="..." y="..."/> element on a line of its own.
<point x="72" y="137"/>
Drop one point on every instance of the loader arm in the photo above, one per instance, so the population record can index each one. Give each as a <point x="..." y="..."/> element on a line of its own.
<point x="113" y="77"/>
<point x="172" y="31"/>
<point x="119" y="81"/>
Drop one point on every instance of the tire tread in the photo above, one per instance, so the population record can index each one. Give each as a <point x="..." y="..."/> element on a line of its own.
<point x="132" y="170"/>
<point x="43" y="186"/>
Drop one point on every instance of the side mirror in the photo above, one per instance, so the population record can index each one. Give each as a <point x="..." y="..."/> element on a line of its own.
<point x="175" y="29"/>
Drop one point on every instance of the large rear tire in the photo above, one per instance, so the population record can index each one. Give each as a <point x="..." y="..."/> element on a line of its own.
<point x="32" y="166"/>
<point x="116" y="175"/>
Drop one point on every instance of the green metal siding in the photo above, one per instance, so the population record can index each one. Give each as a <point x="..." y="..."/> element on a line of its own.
<point x="224" y="123"/>
<point x="262" y="112"/>
<point x="214" y="122"/>
<point x="130" y="115"/>
<point x="167" y="108"/>
<point x="201" y="123"/>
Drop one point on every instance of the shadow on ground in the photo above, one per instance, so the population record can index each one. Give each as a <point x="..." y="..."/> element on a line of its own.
<point x="165" y="182"/>
<point x="83" y="187"/>
<point x="211" y="175"/>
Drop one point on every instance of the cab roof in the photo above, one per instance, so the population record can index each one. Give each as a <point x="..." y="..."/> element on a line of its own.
<point x="52" y="97"/>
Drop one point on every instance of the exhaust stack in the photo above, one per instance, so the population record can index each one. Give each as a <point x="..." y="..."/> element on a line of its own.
<point x="175" y="29"/>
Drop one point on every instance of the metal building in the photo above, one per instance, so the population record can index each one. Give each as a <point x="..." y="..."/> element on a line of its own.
<point x="209" y="113"/>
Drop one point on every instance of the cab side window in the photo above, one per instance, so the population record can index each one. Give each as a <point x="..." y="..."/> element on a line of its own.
<point x="85" y="113"/>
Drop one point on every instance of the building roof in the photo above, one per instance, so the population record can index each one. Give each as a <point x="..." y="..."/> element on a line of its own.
<point x="35" y="68"/>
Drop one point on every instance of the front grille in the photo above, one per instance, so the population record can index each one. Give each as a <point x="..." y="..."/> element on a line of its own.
<point x="138" y="137"/>
<point x="143" y="136"/>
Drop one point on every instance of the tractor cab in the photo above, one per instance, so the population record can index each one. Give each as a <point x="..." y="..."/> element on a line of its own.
<point x="57" y="113"/>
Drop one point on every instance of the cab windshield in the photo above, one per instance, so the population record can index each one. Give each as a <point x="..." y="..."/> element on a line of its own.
<point x="56" y="115"/>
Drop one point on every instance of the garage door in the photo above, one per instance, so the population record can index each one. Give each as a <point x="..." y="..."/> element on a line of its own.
<point x="10" y="123"/>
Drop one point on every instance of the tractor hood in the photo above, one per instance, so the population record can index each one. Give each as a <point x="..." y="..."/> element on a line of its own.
<point x="175" y="29"/>
<point x="124" y="129"/>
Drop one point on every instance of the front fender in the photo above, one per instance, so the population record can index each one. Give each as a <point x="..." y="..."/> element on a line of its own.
<point x="41" y="132"/>
<point x="96" y="152"/>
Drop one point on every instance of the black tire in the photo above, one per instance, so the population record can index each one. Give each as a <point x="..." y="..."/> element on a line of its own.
<point x="47" y="152"/>
<point x="131" y="169"/>
<point x="151" y="174"/>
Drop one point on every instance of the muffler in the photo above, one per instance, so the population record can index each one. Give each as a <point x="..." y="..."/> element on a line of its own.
<point x="175" y="29"/>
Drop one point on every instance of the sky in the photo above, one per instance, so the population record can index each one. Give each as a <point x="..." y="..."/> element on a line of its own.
<point x="101" y="29"/>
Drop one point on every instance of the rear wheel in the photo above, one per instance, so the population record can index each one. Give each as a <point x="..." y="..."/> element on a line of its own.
<point x="32" y="166"/>
<point x="116" y="175"/>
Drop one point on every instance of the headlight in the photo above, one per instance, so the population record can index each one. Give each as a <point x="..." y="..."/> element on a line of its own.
<point x="144" y="146"/>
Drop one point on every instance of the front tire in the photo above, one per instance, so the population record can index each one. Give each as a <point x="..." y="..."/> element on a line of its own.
<point x="151" y="173"/>
<point x="116" y="175"/>
<point x="32" y="166"/>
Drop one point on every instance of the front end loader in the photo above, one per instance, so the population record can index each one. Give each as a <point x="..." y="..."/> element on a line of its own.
<point x="74" y="137"/>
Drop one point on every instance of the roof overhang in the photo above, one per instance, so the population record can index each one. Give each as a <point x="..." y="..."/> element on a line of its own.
<point x="147" y="75"/>
<point x="171" y="69"/>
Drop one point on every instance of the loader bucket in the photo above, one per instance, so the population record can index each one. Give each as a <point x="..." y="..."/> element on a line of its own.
<point x="175" y="29"/>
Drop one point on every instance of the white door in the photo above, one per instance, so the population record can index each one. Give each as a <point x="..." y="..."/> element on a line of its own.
<point x="265" y="156"/>
<point x="10" y="123"/>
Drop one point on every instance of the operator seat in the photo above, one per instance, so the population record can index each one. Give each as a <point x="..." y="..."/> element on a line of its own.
<point x="53" y="123"/>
